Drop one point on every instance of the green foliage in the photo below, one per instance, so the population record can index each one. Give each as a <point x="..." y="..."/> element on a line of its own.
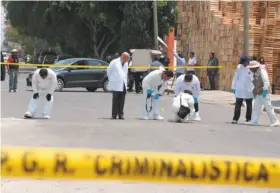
<point x="91" y="28"/>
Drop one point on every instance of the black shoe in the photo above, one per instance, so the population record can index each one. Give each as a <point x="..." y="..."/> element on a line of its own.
<point x="114" y="117"/>
<point x="121" y="117"/>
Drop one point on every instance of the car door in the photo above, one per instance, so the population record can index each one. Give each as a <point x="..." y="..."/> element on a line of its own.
<point x="96" y="75"/>
<point x="76" y="77"/>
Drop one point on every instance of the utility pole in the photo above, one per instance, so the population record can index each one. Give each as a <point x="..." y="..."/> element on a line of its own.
<point x="155" y="24"/>
<point x="246" y="28"/>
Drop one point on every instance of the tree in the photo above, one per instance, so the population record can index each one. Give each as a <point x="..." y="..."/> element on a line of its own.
<point x="91" y="28"/>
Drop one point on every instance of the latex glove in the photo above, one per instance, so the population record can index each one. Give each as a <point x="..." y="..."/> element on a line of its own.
<point x="255" y="97"/>
<point x="264" y="93"/>
<point x="195" y="99"/>
<point x="149" y="93"/>
<point x="156" y="96"/>
<point x="36" y="95"/>
<point x="48" y="97"/>
<point x="233" y="91"/>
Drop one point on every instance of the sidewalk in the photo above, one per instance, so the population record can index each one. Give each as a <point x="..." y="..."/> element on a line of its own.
<point x="226" y="98"/>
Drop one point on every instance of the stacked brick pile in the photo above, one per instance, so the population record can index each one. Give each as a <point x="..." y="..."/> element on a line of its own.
<point x="215" y="26"/>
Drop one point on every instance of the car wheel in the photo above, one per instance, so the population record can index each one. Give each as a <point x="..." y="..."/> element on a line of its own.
<point x="105" y="85"/>
<point x="60" y="84"/>
<point x="91" y="89"/>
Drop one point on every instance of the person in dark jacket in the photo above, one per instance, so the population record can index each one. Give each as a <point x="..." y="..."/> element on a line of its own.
<point x="13" y="70"/>
<point x="3" y="70"/>
<point x="212" y="72"/>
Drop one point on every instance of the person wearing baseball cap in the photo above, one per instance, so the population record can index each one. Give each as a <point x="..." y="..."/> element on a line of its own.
<point x="13" y="70"/>
<point x="262" y="95"/>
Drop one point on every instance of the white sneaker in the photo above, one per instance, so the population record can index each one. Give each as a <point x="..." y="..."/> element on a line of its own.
<point x="194" y="117"/>
<point x="276" y="124"/>
<point x="251" y="123"/>
<point x="28" y="115"/>
<point x="145" y="118"/>
<point x="158" y="118"/>
<point x="197" y="117"/>
<point x="46" y="117"/>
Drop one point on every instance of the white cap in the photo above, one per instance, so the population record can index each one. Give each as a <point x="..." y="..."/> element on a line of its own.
<point x="14" y="50"/>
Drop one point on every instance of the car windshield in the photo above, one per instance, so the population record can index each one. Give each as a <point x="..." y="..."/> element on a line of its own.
<point x="63" y="63"/>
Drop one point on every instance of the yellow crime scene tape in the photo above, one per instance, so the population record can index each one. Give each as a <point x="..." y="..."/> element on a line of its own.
<point x="102" y="67"/>
<point x="82" y="164"/>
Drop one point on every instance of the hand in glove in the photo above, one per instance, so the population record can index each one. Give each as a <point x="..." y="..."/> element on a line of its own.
<point x="49" y="96"/>
<point x="156" y="96"/>
<point x="36" y="95"/>
<point x="255" y="97"/>
<point x="195" y="99"/>
<point x="149" y="93"/>
<point x="264" y="93"/>
<point x="233" y="91"/>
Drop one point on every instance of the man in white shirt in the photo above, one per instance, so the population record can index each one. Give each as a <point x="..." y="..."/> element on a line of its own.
<point x="242" y="88"/>
<point x="117" y="75"/>
<point x="191" y="62"/>
<point x="189" y="82"/>
<point x="44" y="83"/>
<point x="151" y="91"/>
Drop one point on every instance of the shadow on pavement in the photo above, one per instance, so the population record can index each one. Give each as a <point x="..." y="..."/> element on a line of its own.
<point x="247" y="125"/>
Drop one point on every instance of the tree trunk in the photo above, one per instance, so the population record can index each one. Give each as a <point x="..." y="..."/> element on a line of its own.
<point x="107" y="45"/>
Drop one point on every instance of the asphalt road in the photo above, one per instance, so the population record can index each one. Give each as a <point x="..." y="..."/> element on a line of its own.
<point x="80" y="119"/>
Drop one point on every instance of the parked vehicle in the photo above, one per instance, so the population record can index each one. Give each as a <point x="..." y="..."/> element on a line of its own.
<point x="46" y="57"/>
<point x="62" y="57"/>
<point x="69" y="77"/>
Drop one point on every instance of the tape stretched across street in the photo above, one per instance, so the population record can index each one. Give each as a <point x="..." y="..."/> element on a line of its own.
<point x="102" y="67"/>
<point x="75" y="164"/>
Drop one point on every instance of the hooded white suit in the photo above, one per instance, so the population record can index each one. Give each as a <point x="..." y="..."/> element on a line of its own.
<point x="43" y="87"/>
<point x="152" y="81"/>
<point x="193" y="86"/>
<point x="184" y="99"/>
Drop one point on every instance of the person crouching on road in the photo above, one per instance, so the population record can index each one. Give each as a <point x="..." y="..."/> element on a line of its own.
<point x="183" y="105"/>
<point x="189" y="82"/>
<point x="44" y="83"/>
<point x="262" y="95"/>
<point x="150" y="85"/>
<point x="242" y="87"/>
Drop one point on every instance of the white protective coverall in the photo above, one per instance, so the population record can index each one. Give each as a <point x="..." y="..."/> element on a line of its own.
<point x="152" y="81"/>
<point x="193" y="86"/>
<point x="43" y="87"/>
<point x="243" y="82"/>
<point x="266" y="101"/>
<point x="184" y="99"/>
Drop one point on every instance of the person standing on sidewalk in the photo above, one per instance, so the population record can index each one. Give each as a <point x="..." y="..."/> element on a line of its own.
<point x="13" y="70"/>
<point x="212" y="72"/>
<point x="117" y="75"/>
<point x="262" y="95"/>
<point x="242" y="87"/>
<point x="180" y="63"/>
<point x="191" y="62"/>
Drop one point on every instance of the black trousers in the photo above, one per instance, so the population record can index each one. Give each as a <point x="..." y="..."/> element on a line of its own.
<point x="134" y="77"/>
<point x="196" y="107"/>
<point x="237" y="109"/>
<point x="212" y="79"/>
<point x="118" y="102"/>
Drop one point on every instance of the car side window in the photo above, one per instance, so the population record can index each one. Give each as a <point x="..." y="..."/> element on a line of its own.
<point x="81" y="63"/>
<point x="95" y="63"/>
